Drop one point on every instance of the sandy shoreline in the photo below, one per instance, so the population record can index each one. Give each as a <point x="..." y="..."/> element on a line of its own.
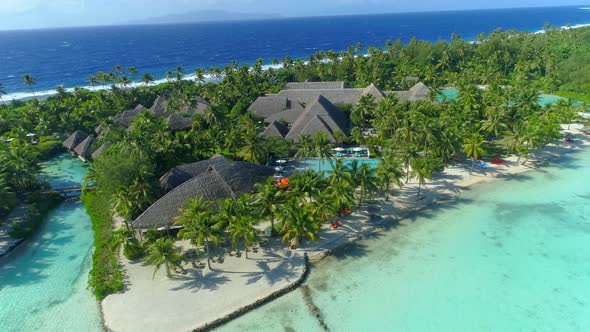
<point x="148" y="305"/>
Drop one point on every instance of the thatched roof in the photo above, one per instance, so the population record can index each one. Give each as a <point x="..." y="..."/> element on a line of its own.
<point x="276" y="129"/>
<point x="98" y="130"/>
<point x="290" y="116"/>
<point x="178" y="121"/>
<point x="372" y="90"/>
<point x="100" y="149"/>
<point x="180" y="174"/>
<point x="219" y="181"/>
<point x="84" y="149"/>
<point x="320" y="116"/>
<point x="76" y="138"/>
<point x="315" y="85"/>
<point x="199" y="106"/>
<point x="419" y="92"/>
<point x="266" y="106"/>
<point x="160" y="105"/>
<point x="124" y="119"/>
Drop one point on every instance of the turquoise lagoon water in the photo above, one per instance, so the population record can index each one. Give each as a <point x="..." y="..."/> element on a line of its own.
<point x="544" y="99"/>
<point x="43" y="283"/>
<point x="64" y="171"/>
<point x="507" y="256"/>
<point x="328" y="165"/>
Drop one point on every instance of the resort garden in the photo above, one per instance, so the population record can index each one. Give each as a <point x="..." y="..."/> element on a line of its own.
<point x="413" y="140"/>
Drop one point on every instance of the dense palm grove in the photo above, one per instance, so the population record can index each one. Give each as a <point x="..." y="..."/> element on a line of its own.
<point x="413" y="140"/>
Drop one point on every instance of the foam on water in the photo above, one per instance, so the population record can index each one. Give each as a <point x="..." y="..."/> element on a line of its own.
<point x="508" y="256"/>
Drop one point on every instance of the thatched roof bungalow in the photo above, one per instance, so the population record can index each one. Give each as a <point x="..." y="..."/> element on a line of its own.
<point x="74" y="140"/>
<point x="84" y="149"/>
<point x="100" y="149"/>
<point x="224" y="179"/>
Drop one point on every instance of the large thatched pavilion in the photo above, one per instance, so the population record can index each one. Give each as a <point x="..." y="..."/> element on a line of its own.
<point x="213" y="179"/>
<point x="306" y="108"/>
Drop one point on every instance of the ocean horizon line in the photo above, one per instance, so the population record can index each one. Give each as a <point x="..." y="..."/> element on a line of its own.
<point x="279" y="18"/>
<point x="43" y="94"/>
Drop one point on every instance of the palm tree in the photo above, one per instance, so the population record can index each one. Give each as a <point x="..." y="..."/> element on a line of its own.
<point x="306" y="147"/>
<point x="169" y="76"/>
<point x="323" y="205"/>
<point x="390" y="172"/>
<point x="363" y="110"/>
<point x="121" y="238"/>
<point x="422" y="170"/>
<point x="298" y="221"/>
<point x="323" y="147"/>
<point x="163" y="252"/>
<point x="200" y="75"/>
<point x="147" y="79"/>
<point x="198" y="225"/>
<point x="339" y="174"/>
<point x="93" y="81"/>
<point x="7" y="196"/>
<point x="242" y="228"/>
<point x="367" y="181"/>
<point x="29" y="81"/>
<point x="473" y="146"/>
<point x="269" y="200"/>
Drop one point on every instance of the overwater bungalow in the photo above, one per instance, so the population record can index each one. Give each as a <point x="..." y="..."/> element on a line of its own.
<point x="84" y="149"/>
<point x="176" y="120"/>
<point x="213" y="179"/>
<point x="100" y="150"/>
<point x="74" y="140"/>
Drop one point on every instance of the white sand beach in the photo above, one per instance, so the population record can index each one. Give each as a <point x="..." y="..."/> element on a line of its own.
<point x="200" y="296"/>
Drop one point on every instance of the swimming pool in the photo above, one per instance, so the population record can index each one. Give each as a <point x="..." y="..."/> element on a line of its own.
<point x="328" y="164"/>
<point x="544" y="99"/>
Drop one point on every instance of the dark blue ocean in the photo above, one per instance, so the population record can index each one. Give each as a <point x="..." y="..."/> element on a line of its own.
<point x="68" y="56"/>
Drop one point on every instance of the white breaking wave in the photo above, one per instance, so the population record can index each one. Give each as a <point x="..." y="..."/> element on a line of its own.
<point x="208" y="78"/>
<point x="577" y="26"/>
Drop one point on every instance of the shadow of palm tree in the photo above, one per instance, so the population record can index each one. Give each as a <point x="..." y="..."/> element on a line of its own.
<point x="196" y="280"/>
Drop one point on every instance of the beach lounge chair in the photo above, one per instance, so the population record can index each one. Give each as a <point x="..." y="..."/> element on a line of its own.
<point x="338" y="155"/>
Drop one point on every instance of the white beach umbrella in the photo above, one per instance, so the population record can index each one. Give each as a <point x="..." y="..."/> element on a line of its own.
<point x="281" y="161"/>
<point x="358" y="149"/>
<point x="339" y="149"/>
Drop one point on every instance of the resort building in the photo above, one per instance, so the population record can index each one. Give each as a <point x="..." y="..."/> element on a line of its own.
<point x="213" y="179"/>
<point x="84" y="149"/>
<point x="175" y="120"/>
<point x="74" y="140"/>
<point x="305" y="108"/>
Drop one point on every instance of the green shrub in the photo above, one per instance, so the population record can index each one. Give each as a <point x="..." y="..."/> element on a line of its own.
<point x="133" y="250"/>
<point x="105" y="277"/>
<point x="49" y="146"/>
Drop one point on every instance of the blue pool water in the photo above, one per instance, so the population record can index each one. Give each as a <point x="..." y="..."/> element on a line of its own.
<point x="544" y="99"/>
<point x="327" y="165"/>
<point x="43" y="282"/>
<point x="507" y="256"/>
